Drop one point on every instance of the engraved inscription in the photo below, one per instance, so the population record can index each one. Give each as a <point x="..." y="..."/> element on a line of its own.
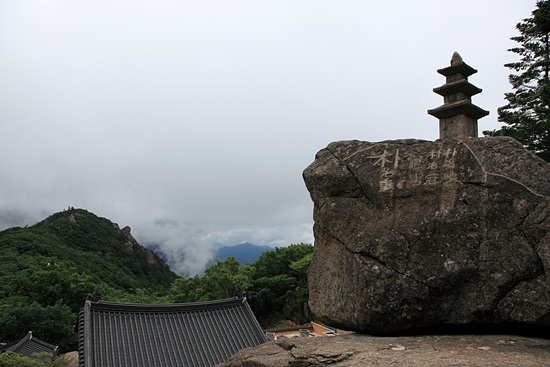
<point x="398" y="170"/>
<point x="383" y="159"/>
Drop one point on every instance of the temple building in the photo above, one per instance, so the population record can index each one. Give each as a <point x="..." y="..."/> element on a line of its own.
<point x="168" y="335"/>
<point x="29" y="345"/>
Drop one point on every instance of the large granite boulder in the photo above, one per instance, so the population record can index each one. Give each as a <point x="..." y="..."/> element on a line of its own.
<point x="412" y="234"/>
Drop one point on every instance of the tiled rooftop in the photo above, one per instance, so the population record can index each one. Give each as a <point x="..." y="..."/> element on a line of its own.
<point x="29" y="345"/>
<point x="189" y="334"/>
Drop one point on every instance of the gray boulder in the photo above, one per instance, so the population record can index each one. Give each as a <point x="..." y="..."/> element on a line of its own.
<point x="412" y="234"/>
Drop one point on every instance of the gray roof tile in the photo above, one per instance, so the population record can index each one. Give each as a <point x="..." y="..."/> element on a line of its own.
<point x="190" y="334"/>
<point x="29" y="345"/>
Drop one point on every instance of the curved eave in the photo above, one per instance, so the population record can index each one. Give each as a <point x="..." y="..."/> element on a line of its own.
<point x="456" y="87"/>
<point x="462" y="68"/>
<point x="458" y="108"/>
<point x="175" y="307"/>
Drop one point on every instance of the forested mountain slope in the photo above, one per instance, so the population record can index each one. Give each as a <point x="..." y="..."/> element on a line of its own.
<point x="46" y="271"/>
<point x="96" y="246"/>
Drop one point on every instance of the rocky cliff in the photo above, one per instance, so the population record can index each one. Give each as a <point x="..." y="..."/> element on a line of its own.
<point x="412" y="234"/>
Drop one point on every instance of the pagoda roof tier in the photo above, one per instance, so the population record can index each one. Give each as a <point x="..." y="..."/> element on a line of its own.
<point x="458" y="68"/>
<point x="456" y="87"/>
<point x="458" y="108"/>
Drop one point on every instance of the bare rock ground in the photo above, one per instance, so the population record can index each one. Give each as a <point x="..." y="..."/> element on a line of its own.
<point x="427" y="351"/>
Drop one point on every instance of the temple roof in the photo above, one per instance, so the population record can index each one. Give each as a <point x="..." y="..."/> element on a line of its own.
<point x="29" y="345"/>
<point x="189" y="334"/>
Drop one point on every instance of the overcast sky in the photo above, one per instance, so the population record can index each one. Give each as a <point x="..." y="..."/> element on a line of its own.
<point x="192" y="121"/>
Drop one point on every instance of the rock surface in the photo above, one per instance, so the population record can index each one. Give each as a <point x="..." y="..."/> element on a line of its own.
<point x="426" y="351"/>
<point x="71" y="358"/>
<point x="412" y="234"/>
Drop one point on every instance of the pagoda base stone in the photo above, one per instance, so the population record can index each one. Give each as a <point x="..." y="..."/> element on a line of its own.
<point x="458" y="126"/>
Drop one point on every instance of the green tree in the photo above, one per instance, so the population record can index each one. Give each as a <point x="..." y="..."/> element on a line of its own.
<point x="54" y="324"/>
<point x="278" y="261"/>
<point x="220" y="279"/>
<point x="13" y="359"/>
<point x="279" y="286"/>
<point x="275" y="285"/>
<point x="269" y="295"/>
<point x="185" y="290"/>
<point x="527" y="113"/>
<point x="300" y="267"/>
<point x="223" y="279"/>
<point x="45" y="298"/>
<point x="50" y="283"/>
<point x="136" y="296"/>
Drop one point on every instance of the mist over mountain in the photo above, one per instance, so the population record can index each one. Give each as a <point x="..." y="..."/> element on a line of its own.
<point x="245" y="253"/>
<point x="157" y="250"/>
<point x="10" y="218"/>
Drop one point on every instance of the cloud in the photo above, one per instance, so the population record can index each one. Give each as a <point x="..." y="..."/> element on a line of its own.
<point x="191" y="122"/>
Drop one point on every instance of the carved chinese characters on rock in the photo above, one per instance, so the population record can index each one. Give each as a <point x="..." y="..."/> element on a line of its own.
<point x="388" y="163"/>
<point x="401" y="168"/>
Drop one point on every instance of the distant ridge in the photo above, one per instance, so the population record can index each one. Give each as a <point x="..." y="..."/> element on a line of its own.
<point x="245" y="253"/>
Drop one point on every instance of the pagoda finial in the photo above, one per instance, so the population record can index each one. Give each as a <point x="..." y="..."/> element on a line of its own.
<point x="457" y="116"/>
<point x="456" y="59"/>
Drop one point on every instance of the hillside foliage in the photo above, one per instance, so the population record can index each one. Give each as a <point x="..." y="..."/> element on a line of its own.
<point x="13" y="359"/>
<point x="47" y="270"/>
<point x="275" y="284"/>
